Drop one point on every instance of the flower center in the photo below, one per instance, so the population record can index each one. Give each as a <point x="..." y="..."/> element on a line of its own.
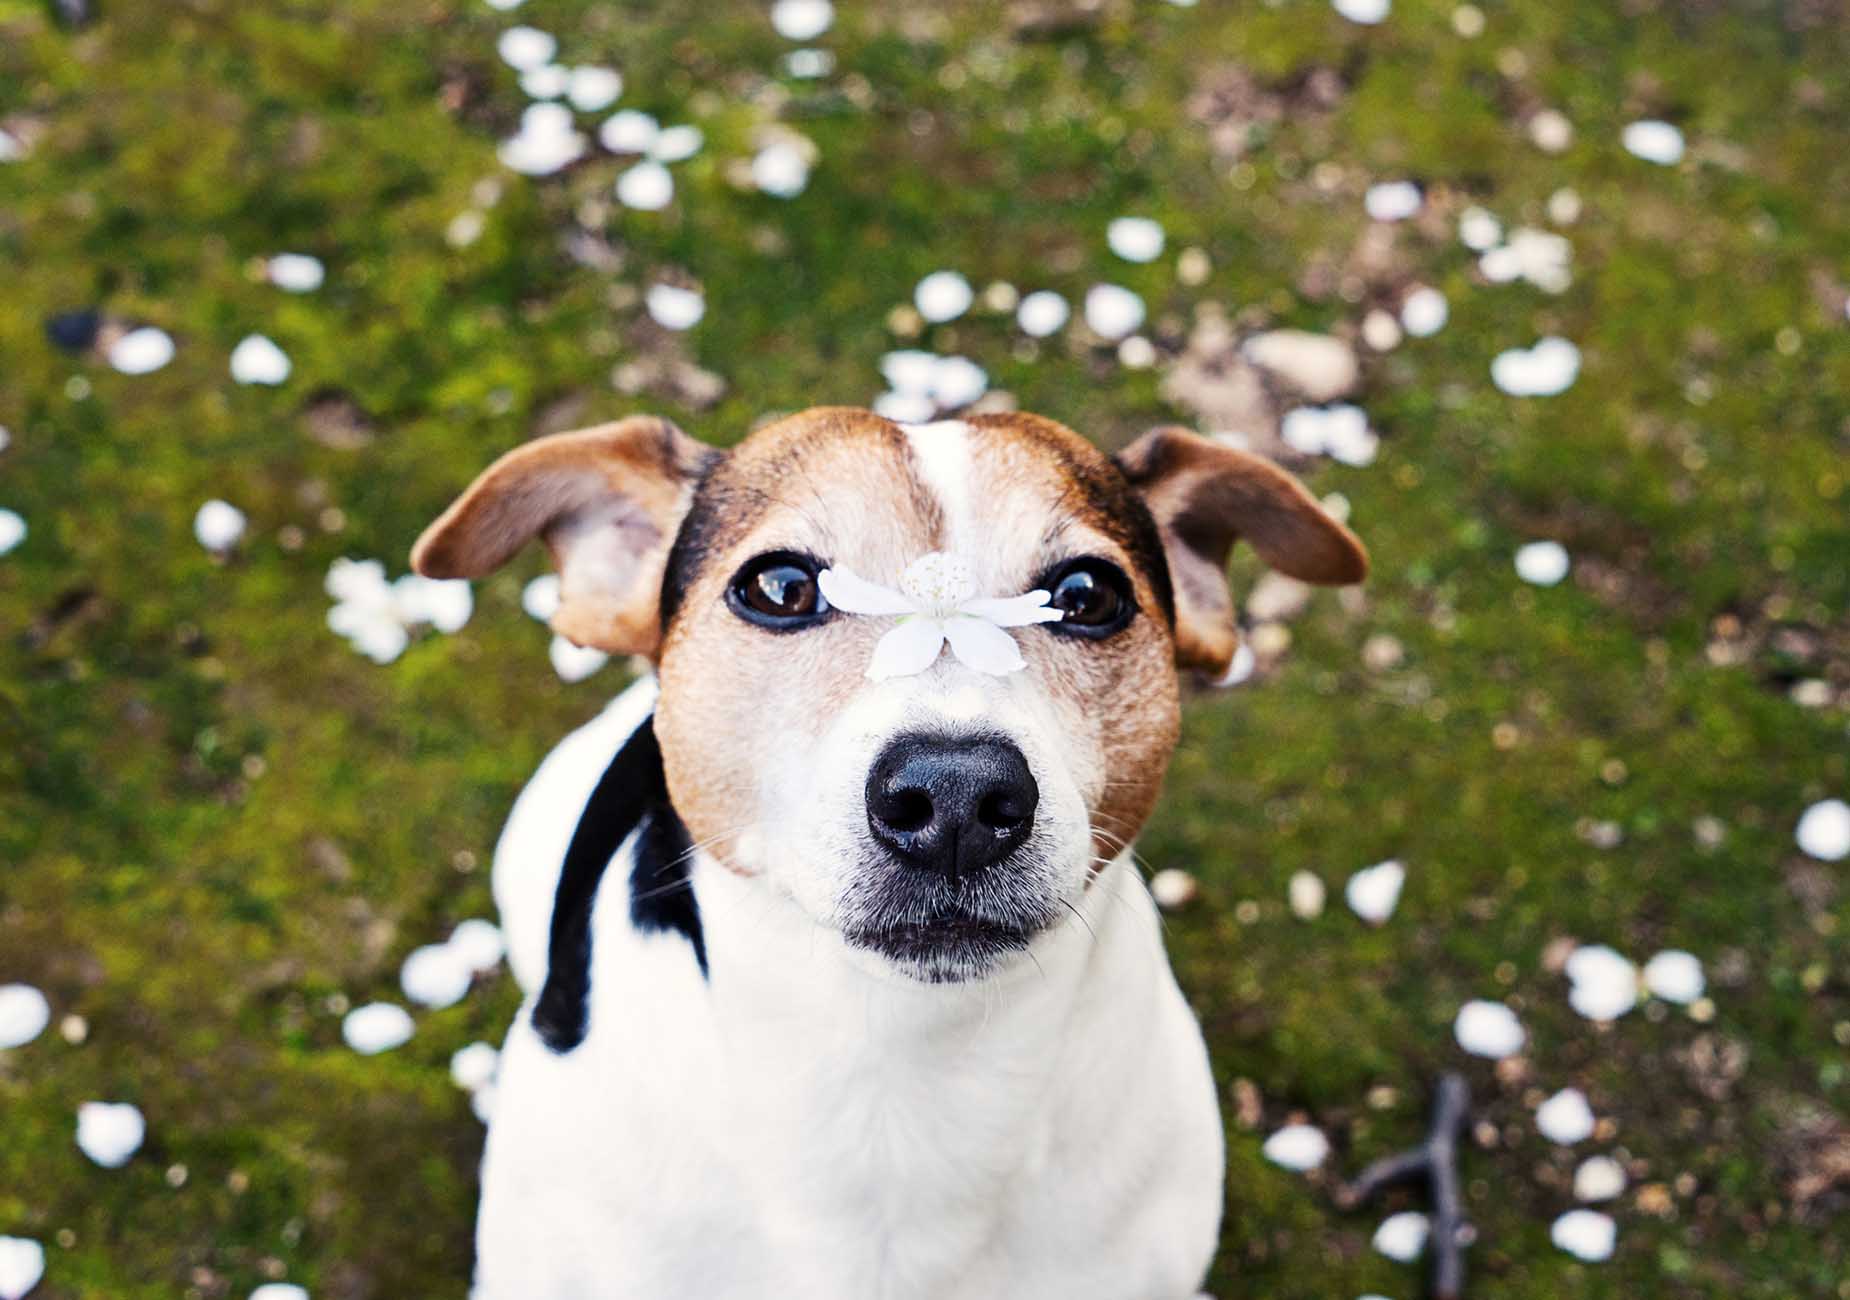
<point x="940" y="582"/>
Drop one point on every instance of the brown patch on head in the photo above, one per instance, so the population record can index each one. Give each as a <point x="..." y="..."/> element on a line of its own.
<point x="607" y="501"/>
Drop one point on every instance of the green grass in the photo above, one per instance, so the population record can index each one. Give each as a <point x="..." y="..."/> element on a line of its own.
<point x="218" y="825"/>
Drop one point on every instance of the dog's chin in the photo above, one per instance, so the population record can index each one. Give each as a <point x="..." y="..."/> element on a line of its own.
<point x="949" y="949"/>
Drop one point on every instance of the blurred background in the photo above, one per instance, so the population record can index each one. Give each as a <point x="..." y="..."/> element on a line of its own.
<point x="1548" y="295"/>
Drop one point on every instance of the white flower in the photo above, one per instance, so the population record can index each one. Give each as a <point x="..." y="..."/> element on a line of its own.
<point x="1298" y="1147"/>
<point x="110" y="1132"/>
<point x="937" y="602"/>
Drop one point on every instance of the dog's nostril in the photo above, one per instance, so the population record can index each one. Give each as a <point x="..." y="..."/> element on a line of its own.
<point x="1004" y="810"/>
<point x="951" y="806"/>
<point x="906" y="810"/>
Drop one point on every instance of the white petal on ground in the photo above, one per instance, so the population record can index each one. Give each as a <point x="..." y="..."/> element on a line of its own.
<point x="1306" y="893"/>
<point x="910" y="648"/>
<point x="908" y="370"/>
<point x="851" y="593"/>
<point x="802" y="20"/>
<point x="1392" y="200"/>
<point x="12" y="530"/>
<point x="1542" y="257"/>
<point x="574" y="663"/>
<point x="540" y="598"/>
<point x="1240" y="667"/>
<point x="1173" y="887"/>
<point x="377" y="1027"/>
<point x="1565" y="1118"/>
<point x="1674" y="976"/>
<point x="981" y="645"/>
<point x="482" y="1102"/>
<point x="141" y="351"/>
<point x="1587" y="1235"/>
<point x="1112" y="311"/>
<point x="1604" y="985"/>
<point x="279" y="1291"/>
<point x="445" y="603"/>
<point x="1653" y="141"/>
<point x="957" y="381"/>
<point x="943" y="296"/>
<point x="675" y="308"/>
<point x="1823" y="831"/>
<point x="1381" y="331"/>
<point x="24" y="1013"/>
<point x="22" y="1265"/>
<point x="474" y="1066"/>
<point x="1298" y="1147"/>
<point x="504" y="6"/>
<point x="1135" y="239"/>
<point x="676" y="144"/>
<point x="478" y="944"/>
<point x="435" y="976"/>
<point x="257" y="360"/>
<point x="12" y="149"/>
<point x="1489" y="1029"/>
<point x="526" y="47"/>
<point x="629" y="131"/>
<point x="646" y="187"/>
<point x="1321" y="367"/>
<point x="593" y="88"/>
<point x="905" y="408"/>
<point x="1551" y="131"/>
<point x="110" y="1132"/>
<point x="295" y="272"/>
<point x="357" y="581"/>
<point x="1542" y="564"/>
<point x="780" y="170"/>
<point x="1041" y="313"/>
<point x="808" y="64"/>
<point x="1137" y="353"/>
<point x="548" y="81"/>
<point x="1403" y="1236"/>
<point x="1365" y="12"/>
<point x="1599" y="1178"/>
<point x="1548" y="368"/>
<point x="1374" y="892"/>
<point x="1340" y="432"/>
<point x="543" y="145"/>
<point x="1424" y="312"/>
<point x="1478" y="230"/>
<point x="218" y="525"/>
<point x="1564" y="206"/>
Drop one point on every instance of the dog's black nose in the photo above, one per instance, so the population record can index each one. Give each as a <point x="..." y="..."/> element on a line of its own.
<point x="951" y="806"/>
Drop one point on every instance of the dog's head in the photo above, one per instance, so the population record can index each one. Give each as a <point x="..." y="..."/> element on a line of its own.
<point x="943" y="818"/>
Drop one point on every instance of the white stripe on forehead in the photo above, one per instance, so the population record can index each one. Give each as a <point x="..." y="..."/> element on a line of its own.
<point x="942" y="449"/>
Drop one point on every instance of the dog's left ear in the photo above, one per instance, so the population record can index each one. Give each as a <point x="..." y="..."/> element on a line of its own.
<point x="607" y="502"/>
<point x="1205" y="497"/>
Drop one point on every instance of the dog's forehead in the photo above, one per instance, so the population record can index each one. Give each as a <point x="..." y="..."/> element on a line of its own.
<point x="1007" y="492"/>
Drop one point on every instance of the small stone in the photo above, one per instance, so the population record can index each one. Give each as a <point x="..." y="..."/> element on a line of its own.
<point x="1112" y="311"/>
<point x="646" y="187"/>
<point x="1402" y="1236"/>
<point x="1565" y="1118"/>
<point x="675" y="308"/>
<point x="1041" y="313"/>
<point x="1424" y="312"/>
<point x="295" y="272"/>
<point x="1173" y="888"/>
<point x="218" y="525"/>
<point x="1135" y="239"/>
<point x="1823" y="831"/>
<point x="24" y="1013"/>
<point x="1381" y="653"/>
<point x="1675" y="976"/>
<point x="1489" y="1029"/>
<point x="22" y="1265"/>
<point x="802" y="20"/>
<point x="474" y="1066"/>
<point x="1542" y="564"/>
<point x="1137" y="353"/>
<point x="1374" y="892"/>
<point x="1468" y="21"/>
<point x="141" y="351"/>
<point x="593" y="88"/>
<point x="1653" y="141"/>
<point x="1194" y="266"/>
<point x="110" y="1133"/>
<point x="943" y="296"/>
<point x="1564" y="206"/>
<point x="525" y="47"/>
<point x="1587" y="1235"/>
<point x="435" y="976"/>
<point x="574" y="663"/>
<point x="1298" y="1147"/>
<point x="1599" y="1178"/>
<point x="257" y="360"/>
<point x="1380" y="331"/>
<point x="1392" y="200"/>
<point x="1306" y="893"/>
<point x="377" y="1027"/>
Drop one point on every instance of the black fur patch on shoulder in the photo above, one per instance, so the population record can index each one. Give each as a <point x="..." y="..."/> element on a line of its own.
<point x="631" y="795"/>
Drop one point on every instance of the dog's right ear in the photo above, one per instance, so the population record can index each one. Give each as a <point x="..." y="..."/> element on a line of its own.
<point x="607" y="501"/>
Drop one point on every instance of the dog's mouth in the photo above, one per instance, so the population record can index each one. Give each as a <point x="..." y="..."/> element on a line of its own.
<point x="948" y="947"/>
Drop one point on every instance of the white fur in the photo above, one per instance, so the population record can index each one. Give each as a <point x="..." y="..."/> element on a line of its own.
<point x="809" y="1122"/>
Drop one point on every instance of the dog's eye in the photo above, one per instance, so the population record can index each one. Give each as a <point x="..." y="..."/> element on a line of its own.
<point x="1094" y="595"/>
<point x="778" y="590"/>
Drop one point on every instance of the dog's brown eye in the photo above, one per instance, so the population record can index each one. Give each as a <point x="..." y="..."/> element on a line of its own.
<point x="778" y="591"/>
<point x="1094" y="595"/>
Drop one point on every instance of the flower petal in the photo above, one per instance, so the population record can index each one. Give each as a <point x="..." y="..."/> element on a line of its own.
<point x="909" y="648"/>
<point x="853" y="594"/>
<point x="1013" y="611"/>
<point x="983" y="646"/>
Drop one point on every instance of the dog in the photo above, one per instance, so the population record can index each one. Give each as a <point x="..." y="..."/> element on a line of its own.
<point x="842" y="984"/>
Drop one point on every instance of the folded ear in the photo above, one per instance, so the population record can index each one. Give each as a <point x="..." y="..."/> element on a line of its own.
<point x="607" y="502"/>
<point x="1204" y="498"/>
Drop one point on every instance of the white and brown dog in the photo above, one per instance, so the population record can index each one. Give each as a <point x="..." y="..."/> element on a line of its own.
<point x="843" y="988"/>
